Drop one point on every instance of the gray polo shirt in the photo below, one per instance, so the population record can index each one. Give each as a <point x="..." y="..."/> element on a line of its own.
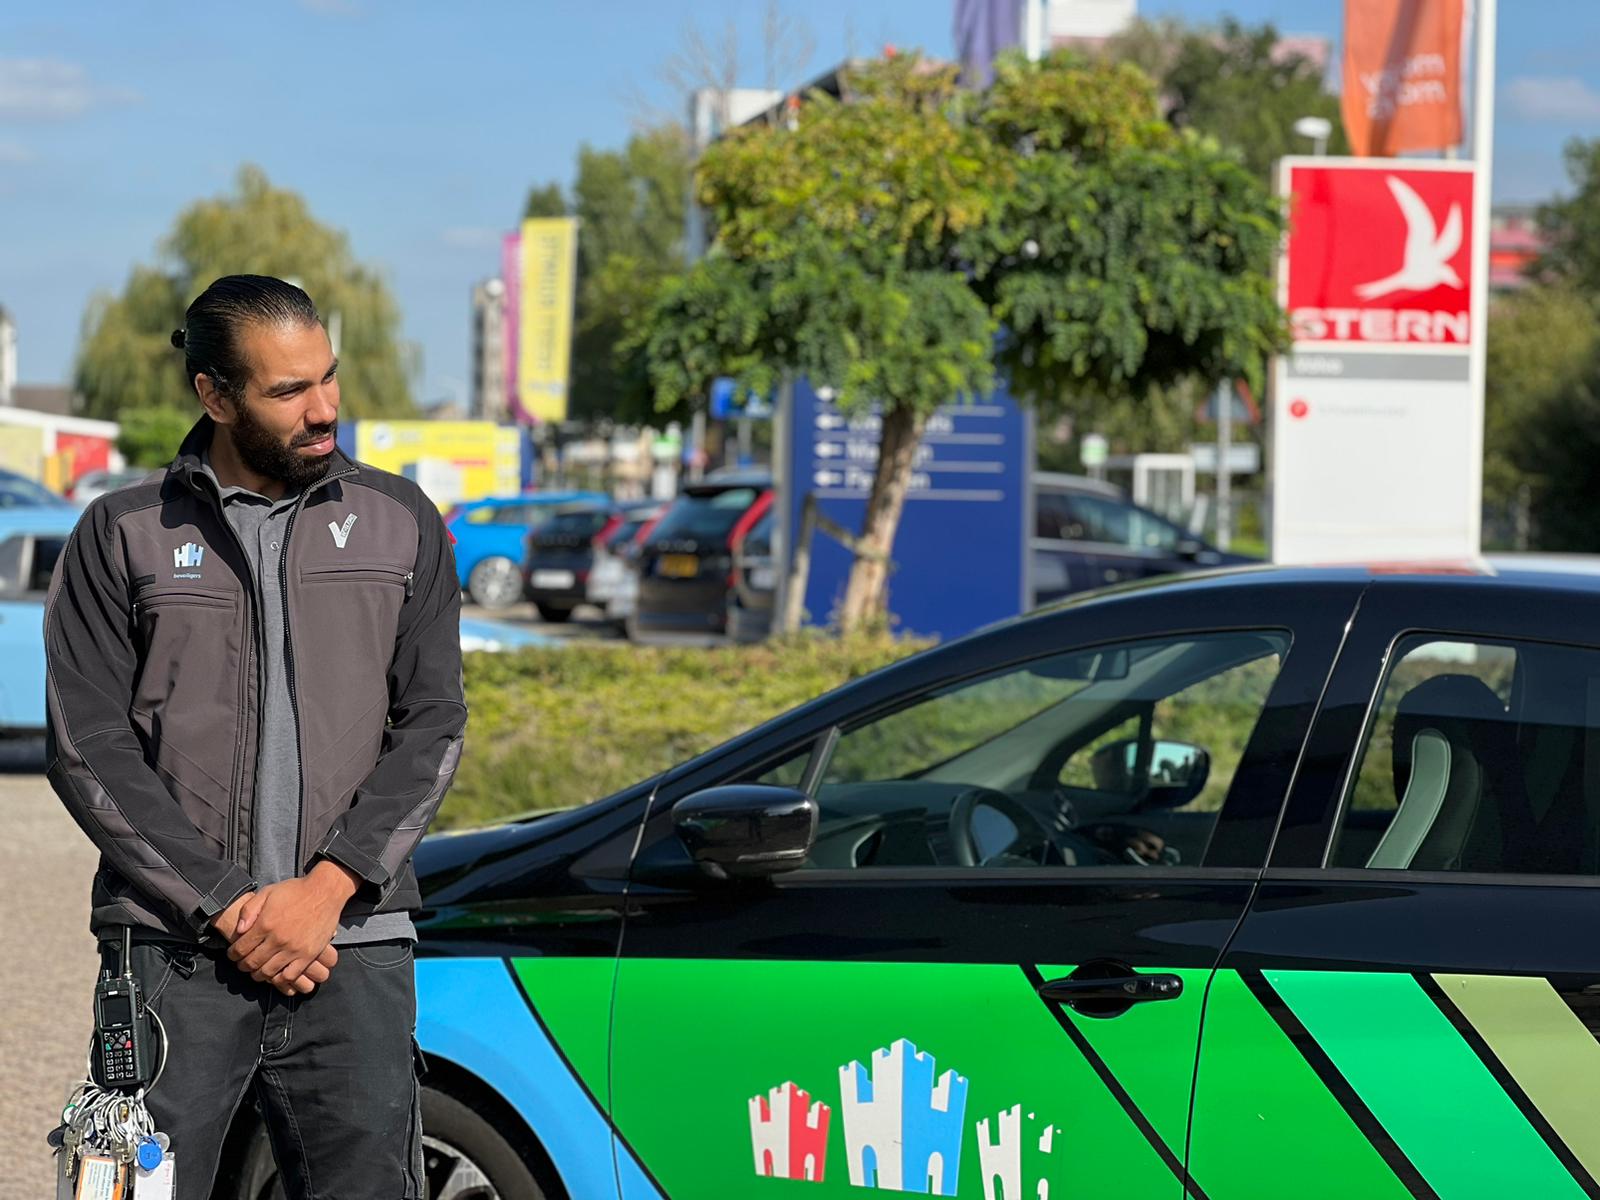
<point x="260" y="524"/>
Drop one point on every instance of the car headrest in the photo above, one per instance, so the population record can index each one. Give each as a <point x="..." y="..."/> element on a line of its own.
<point x="1461" y="707"/>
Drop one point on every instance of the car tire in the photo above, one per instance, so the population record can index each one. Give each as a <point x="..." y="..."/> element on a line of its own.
<point x="463" y="1156"/>
<point x="495" y="582"/>
<point x="553" y="615"/>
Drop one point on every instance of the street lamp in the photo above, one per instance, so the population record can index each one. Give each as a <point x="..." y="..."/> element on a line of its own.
<point x="1318" y="129"/>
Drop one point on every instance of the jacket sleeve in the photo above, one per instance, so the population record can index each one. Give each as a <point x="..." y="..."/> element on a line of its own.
<point x="395" y="804"/>
<point x="97" y="762"/>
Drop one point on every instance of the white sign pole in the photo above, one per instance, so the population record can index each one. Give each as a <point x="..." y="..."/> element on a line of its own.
<point x="1482" y="215"/>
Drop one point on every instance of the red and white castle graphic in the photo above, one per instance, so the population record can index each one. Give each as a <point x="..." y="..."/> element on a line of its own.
<point x="789" y="1134"/>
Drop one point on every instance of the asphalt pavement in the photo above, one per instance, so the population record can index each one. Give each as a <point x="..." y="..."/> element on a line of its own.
<point x="47" y="966"/>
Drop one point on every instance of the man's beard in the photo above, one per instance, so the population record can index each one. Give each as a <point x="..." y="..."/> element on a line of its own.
<point x="261" y="450"/>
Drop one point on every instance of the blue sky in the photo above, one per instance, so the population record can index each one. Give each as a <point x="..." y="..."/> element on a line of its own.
<point x="417" y="127"/>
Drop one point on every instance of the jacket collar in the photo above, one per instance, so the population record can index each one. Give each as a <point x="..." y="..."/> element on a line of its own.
<point x="188" y="468"/>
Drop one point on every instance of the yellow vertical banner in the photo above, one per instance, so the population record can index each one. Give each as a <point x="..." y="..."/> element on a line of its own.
<point x="549" y="267"/>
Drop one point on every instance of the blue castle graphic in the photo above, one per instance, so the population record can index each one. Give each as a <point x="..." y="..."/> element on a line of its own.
<point x="903" y="1126"/>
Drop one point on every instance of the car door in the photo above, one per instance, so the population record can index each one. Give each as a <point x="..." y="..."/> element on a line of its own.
<point x="1411" y="1005"/>
<point x="879" y="1016"/>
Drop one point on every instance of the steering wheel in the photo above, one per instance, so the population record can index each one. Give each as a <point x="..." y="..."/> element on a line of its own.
<point x="963" y="837"/>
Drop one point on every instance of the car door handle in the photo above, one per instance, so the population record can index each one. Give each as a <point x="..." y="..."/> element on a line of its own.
<point x="1128" y="989"/>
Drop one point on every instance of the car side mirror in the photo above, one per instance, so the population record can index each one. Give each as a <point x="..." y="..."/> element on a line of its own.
<point x="1191" y="549"/>
<point x="746" y="831"/>
<point x="1173" y="773"/>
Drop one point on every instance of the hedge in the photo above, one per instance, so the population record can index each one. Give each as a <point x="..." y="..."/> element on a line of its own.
<point x="559" y="726"/>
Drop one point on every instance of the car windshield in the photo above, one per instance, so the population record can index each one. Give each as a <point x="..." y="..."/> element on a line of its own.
<point x="706" y="517"/>
<point x="581" y="522"/>
<point x="17" y="492"/>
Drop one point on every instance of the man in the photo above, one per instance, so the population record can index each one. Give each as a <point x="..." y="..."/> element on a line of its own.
<point x="255" y="709"/>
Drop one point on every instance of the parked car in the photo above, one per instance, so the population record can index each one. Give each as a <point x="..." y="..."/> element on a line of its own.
<point x="614" y="579"/>
<point x="18" y="491"/>
<point x="491" y="538"/>
<point x="97" y="483"/>
<point x="562" y="552"/>
<point x="1087" y="534"/>
<point x="31" y="539"/>
<point x="755" y="583"/>
<point x="686" y="565"/>
<point x="1225" y="885"/>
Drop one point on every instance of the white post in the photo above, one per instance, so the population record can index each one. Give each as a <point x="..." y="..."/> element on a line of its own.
<point x="1482" y="206"/>
<point x="1033" y="28"/>
<point x="1224" y="466"/>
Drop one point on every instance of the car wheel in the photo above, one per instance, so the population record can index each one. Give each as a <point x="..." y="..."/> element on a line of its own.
<point x="495" y="582"/>
<point x="554" y="616"/>
<point x="464" y="1157"/>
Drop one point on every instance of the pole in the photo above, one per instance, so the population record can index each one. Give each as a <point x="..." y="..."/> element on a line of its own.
<point x="1224" y="465"/>
<point x="1033" y="28"/>
<point x="1482" y="208"/>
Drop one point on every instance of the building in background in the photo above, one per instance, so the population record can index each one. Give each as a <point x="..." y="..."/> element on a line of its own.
<point x="1515" y="244"/>
<point x="489" y="392"/>
<point x="1087" y="24"/>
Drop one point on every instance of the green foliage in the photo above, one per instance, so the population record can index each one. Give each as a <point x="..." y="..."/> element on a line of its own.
<point x="1571" y="224"/>
<point x="126" y="362"/>
<point x="546" y="201"/>
<point x="149" y="437"/>
<point x="557" y="727"/>
<point x="1232" y="83"/>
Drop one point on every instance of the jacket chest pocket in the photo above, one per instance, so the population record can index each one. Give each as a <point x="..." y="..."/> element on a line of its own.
<point x="192" y="646"/>
<point x="352" y="573"/>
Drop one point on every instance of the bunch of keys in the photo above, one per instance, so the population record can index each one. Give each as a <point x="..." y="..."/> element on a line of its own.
<point x="109" y="1148"/>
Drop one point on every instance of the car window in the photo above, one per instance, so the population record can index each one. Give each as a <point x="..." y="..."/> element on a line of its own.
<point x="706" y="517"/>
<point x="45" y="552"/>
<point x="1053" y="518"/>
<point x="575" y="522"/>
<point x="1479" y="756"/>
<point x="483" y="516"/>
<point x="511" y="514"/>
<point x="1112" y="523"/>
<point x="19" y="492"/>
<point x="1121" y="755"/>
<point x="13" y="552"/>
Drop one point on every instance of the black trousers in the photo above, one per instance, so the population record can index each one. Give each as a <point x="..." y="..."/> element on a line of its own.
<point x="335" y="1073"/>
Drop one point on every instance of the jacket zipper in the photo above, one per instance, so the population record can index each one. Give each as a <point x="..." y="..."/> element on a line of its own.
<point x="288" y="663"/>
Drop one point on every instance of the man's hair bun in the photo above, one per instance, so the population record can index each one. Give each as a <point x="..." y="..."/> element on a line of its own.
<point x="178" y="339"/>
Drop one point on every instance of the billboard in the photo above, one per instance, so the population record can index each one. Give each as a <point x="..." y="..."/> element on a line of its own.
<point x="1402" y="75"/>
<point x="970" y="503"/>
<point x="547" y="272"/>
<point x="452" y="461"/>
<point x="1377" y="423"/>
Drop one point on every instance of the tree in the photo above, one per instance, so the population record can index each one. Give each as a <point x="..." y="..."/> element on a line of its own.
<point x="545" y="201"/>
<point x="126" y="360"/>
<point x="1571" y="224"/>
<point x="1541" y="412"/>
<point x="1236" y="83"/>
<point x="880" y="245"/>
<point x="150" y="436"/>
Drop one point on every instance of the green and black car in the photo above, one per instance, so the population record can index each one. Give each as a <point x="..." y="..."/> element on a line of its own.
<point x="1262" y="884"/>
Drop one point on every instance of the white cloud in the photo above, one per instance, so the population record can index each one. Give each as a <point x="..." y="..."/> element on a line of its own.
<point x="471" y="237"/>
<point x="47" y="88"/>
<point x="1553" y="98"/>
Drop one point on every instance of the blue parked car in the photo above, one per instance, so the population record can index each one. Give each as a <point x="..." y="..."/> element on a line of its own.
<point x="492" y="540"/>
<point x="31" y="539"/>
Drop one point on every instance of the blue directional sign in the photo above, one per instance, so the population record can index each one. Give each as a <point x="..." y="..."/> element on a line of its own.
<point x="961" y="553"/>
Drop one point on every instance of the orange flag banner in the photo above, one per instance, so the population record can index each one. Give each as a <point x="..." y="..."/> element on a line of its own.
<point x="1402" y="75"/>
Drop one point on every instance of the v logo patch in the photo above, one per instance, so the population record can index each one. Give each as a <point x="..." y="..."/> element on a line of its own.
<point x="342" y="535"/>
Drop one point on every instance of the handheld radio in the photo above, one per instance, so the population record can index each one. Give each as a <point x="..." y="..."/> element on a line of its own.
<point x="124" y="1037"/>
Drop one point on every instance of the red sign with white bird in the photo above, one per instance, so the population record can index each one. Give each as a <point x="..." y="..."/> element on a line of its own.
<point x="1380" y="254"/>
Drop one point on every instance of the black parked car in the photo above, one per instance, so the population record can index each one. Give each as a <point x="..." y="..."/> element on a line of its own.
<point x="686" y="564"/>
<point x="1239" y="885"/>
<point x="561" y="554"/>
<point x="1087" y="534"/>
<point x="755" y="583"/>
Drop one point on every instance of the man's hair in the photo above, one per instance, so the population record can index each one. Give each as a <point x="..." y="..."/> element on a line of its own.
<point x="210" y="336"/>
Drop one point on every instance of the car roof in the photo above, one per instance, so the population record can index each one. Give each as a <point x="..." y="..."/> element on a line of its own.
<point x="40" y="519"/>
<point x="567" y="497"/>
<point x="1057" y="481"/>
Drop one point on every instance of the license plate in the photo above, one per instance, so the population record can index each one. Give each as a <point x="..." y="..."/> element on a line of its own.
<point x="763" y="578"/>
<point x="553" y="580"/>
<point x="679" y="566"/>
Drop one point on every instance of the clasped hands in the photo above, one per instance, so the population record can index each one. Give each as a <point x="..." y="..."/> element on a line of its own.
<point x="283" y="933"/>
